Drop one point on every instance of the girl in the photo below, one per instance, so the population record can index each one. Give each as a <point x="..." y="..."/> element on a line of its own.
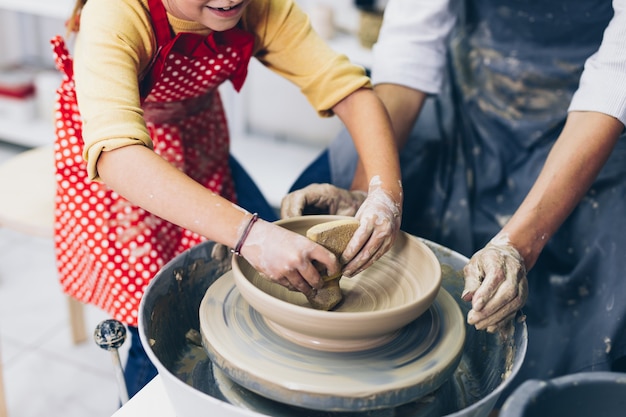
<point x="142" y="149"/>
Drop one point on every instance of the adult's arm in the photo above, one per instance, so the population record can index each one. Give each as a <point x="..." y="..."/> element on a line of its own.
<point x="495" y="278"/>
<point x="571" y="167"/>
<point x="409" y="61"/>
<point x="597" y="116"/>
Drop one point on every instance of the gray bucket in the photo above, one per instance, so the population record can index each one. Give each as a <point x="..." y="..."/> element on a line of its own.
<point x="169" y="311"/>
<point x="585" y="394"/>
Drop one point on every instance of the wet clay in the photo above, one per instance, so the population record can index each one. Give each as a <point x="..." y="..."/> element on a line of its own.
<point x="334" y="236"/>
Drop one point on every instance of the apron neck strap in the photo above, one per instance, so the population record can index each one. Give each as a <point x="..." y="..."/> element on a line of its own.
<point x="160" y="23"/>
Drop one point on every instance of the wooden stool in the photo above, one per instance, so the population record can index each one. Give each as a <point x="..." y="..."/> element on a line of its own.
<point x="27" y="186"/>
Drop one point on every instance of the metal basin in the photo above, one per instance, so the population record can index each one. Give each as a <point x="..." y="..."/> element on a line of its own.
<point x="169" y="326"/>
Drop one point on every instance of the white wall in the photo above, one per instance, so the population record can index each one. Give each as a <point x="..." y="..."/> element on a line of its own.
<point x="24" y="38"/>
<point x="274" y="107"/>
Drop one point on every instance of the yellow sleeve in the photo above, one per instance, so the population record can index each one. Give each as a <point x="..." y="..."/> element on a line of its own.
<point x="113" y="46"/>
<point x="287" y="44"/>
<point x="116" y="44"/>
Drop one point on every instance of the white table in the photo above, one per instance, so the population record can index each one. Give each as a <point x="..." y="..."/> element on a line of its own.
<point x="151" y="401"/>
<point x="3" y="403"/>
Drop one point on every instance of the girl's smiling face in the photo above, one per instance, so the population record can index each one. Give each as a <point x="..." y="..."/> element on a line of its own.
<point x="217" y="15"/>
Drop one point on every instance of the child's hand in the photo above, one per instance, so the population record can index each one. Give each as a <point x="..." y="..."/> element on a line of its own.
<point x="286" y="257"/>
<point x="323" y="199"/>
<point x="379" y="217"/>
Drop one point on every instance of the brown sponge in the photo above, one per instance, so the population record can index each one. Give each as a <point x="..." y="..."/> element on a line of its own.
<point x="334" y="236"/>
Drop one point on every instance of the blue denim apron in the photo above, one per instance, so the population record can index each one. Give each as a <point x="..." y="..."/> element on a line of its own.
<point x="514" y="66"/>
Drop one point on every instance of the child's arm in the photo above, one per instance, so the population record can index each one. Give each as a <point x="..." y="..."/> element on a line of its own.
<point x="380" y="214"/>
<point x="144" y="178"/>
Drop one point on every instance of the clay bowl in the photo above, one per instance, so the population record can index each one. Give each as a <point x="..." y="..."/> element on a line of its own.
<point x="378" y="302"/>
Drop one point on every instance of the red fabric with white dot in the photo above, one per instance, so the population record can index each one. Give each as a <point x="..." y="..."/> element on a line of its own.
<point x="107" y="249"/>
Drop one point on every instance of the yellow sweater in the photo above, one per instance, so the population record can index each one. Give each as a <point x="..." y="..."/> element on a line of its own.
<point x="116" y="43"/>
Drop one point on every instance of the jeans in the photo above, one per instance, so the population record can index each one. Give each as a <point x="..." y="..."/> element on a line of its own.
<point x="139" y="370"/>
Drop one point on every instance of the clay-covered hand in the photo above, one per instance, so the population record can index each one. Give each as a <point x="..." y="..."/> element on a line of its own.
<point x="496" y="284"/>
<point x="379" y="222"/>
<point x="321" y="199"/>
<point x="286" y="257"/>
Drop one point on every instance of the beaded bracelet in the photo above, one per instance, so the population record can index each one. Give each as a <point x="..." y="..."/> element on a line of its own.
<point x="244" y="235"/>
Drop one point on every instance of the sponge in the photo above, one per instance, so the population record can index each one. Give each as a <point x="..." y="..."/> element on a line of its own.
<point x="334" y="236"/>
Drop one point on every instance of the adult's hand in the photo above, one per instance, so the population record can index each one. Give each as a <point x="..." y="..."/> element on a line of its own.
<point x="322" y="198"/>
<point x="379" y="222"/>
<point x="286" y="258"/>
<point x="496" y="284"/>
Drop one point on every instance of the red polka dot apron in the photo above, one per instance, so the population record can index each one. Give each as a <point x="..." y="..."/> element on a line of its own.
<point x="107" y="249"/>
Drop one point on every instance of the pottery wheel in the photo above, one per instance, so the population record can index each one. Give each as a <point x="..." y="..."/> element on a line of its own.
<point x="419" y="359"/>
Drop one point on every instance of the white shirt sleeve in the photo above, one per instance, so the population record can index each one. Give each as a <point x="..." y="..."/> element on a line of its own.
<point x="602" y="85"/>
<point x="411" y="47"/>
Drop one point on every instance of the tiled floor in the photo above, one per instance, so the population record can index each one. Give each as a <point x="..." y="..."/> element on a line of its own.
<point x="44" y="373"/>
